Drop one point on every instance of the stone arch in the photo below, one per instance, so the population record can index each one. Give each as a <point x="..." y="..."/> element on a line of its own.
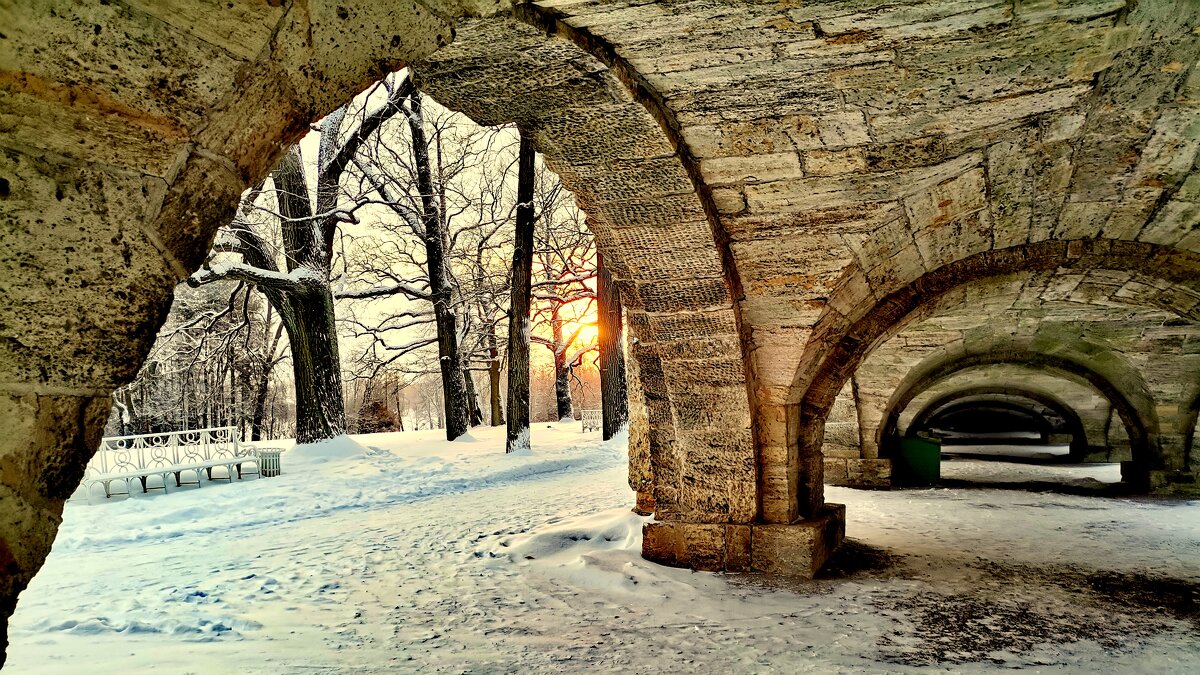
<point x="1073" y="422"/>
<point x="631" y="174"/>
<point x="625" y="172"/>
<point x="1013" y="411"/>
<point x="815" y="142"/>
<point x="1123" y="387"/>
<point x="842" y="339"/>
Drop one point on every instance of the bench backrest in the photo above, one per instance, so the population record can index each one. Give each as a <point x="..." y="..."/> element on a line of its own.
<point x="130" y="454"/>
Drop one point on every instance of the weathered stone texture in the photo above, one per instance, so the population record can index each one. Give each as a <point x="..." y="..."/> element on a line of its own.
<point x="798" y="549"/>
<point x="46" y="443"/>
<point x="782" y="187"/>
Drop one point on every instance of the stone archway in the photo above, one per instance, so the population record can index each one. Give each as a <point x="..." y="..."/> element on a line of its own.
<point x="1003" y="411"/>
<point x="646" y="208"/>
<point x="824" y="178"/>
<point x="839" y="345"/>
<point x="1016" y="394"/>
<point x="1123" y="388"/>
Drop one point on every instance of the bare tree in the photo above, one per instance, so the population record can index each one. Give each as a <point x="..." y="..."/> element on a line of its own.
<point x="440" y="251"/>
<point x="519" y="327"/>
<point x="295" y="276"/>
<point x="565" y="260"/>
<point x="211" y="365"/>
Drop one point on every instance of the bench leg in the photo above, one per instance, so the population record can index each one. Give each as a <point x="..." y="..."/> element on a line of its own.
<point x="209" y="471"/>
<point x="239" y="470"/>
<point x="177" y="483"/>
<point x="143" y="479"/>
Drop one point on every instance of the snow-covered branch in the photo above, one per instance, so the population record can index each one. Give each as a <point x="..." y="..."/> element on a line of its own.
<point x="261" y="277"/>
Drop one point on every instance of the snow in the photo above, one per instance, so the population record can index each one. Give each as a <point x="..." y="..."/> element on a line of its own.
<point x="404" y="552"/>
<point x="520" y="446"/>
<point x="334" y="449"/>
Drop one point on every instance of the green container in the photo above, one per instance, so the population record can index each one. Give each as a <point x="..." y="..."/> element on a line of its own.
<point x="919" y="461"/>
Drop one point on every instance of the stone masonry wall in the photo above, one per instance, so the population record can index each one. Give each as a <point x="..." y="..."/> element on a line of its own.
<point x="775" y="183"/>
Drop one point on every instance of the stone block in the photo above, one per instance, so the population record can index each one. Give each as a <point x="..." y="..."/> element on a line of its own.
<point x="835" y="162"/>
<point x="737" y="548"/>
<point x="842" y="434"/>
<point x="660" y="543"/>
<point x="699" y="546"/>
<point x="704" y="546"/>
<point x="798" y="549"/>
<point x="869" y="473"/>
<point x="753" y="169"/>
<point x="1173" y="483"/>
<point x="835" y="470"/>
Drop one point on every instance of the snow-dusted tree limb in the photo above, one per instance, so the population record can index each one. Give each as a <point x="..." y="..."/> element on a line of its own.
<point x="282" y="242"/>
<point x="289" y="281"/>
<point x="334" y="160"/>
<point x="407" y="290"/>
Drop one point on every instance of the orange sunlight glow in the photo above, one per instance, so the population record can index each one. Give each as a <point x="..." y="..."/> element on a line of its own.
<point x="589" y="329"/>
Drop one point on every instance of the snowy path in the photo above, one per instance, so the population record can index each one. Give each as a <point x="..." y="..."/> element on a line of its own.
<point x="418" y="559"/>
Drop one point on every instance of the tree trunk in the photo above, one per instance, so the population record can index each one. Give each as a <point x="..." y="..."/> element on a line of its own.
<point x="320" y="411"/>
<point x="614" y="400"/>
<point x="260" y="405"/>
<point x="399" y="406"/>
<point x="494" y="378"/>
<point x="454" y="387"/>
<point x="562" y="374"/>
<point x="518" y="324"/>
<point x="264" y="381"/>
<point x="472" y="399"/>
<point x="306" y="309"/>
<point x="562" y="391"/>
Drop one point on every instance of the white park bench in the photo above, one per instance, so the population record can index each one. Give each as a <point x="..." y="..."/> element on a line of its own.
<point x="592" y="420"/>
<point x="123" y="459"/>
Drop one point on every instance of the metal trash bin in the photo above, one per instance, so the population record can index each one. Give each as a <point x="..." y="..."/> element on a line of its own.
<point x="919" y="461"/>
<point x="268" y="462"/>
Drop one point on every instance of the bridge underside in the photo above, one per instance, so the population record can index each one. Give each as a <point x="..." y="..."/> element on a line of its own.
<point x="824" y="216"/>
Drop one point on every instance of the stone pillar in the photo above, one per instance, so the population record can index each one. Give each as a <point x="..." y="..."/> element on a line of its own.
<point x="850" y="452"/>
<point x="45" y="446"/>
<point x="736" y="494"/>
<point x="1178" y="475"/>
<point x="87" y="284"/>
<point x="641" y="477"/>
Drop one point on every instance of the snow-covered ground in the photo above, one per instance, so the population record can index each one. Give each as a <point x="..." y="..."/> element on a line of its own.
<point x="404" y="553"/>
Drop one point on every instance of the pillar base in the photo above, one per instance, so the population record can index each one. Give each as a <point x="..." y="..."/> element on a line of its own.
<point x="1175" y="483"/>
<point x="858" y="473"/>
<point x="797" y="549"/>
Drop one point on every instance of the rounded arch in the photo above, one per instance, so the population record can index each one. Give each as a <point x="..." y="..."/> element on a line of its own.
<point x="1130" y="398"/>
<point x="1072" y="421"/>
<point x="842" y="339"/>
<point x="1005" y="410"/>
<point x="603" y="129"/>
